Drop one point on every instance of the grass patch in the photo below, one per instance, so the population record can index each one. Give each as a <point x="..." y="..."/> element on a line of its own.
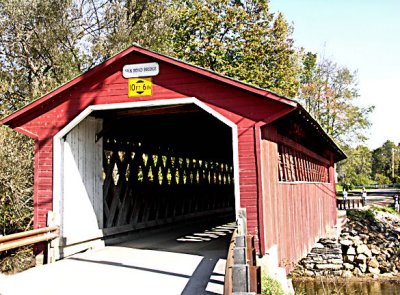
<point x="385" y="209"/>
<point x="361" y="214"/>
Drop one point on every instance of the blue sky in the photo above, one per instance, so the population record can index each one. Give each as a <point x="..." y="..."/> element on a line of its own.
<point x="363" y="36"/>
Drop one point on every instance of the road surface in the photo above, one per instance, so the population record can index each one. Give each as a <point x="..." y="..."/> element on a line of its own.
<point x="188" y="259"/>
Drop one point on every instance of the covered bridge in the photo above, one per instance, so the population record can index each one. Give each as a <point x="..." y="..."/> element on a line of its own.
<point x="145" y="140"/>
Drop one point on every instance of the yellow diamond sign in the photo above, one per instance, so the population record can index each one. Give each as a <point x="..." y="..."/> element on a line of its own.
<point x="140" y="87"/>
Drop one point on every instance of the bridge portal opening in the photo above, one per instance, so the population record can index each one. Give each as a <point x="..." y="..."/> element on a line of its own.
<point x="163" y="165"/>
<point x="128" y="169"/>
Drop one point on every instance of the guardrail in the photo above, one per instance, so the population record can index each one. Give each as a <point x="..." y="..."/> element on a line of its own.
<point x="29" y="237"/>
<point x="349" y="203"/>
<point x="242" y="276"/>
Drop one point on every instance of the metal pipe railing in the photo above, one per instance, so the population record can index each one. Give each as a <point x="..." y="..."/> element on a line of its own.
<point x="29" y="237"/>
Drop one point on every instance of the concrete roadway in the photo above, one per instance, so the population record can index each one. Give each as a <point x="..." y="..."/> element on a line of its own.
<point x="151" y="262"/>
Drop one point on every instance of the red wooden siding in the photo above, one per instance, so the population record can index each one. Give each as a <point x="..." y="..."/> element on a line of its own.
<point x="43" y="186"/>
<point x="295" y="213"/>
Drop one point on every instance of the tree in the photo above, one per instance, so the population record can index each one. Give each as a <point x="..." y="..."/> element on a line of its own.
<point x="46" y="43"/>
<point x="382" y="158"/>
<point x="356" y="169"/>
<point x="37" y="50"/>
<point x="328" y="92"/>
<point x="112" y="26"/>
<point x="240" y="39"/>
<point x="16" y="182"/>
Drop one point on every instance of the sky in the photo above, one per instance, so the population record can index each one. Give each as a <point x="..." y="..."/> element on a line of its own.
<point x="362" y="35"/>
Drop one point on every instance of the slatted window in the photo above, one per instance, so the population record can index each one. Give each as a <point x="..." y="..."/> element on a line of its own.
<point x="297" y="166"/>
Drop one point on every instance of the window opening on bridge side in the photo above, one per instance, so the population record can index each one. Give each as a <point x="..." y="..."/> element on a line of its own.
<point x="295" y="166"/>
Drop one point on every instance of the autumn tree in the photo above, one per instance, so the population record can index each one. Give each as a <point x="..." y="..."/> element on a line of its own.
<point x="241" y="39"/>
<point x="329" y="92"/>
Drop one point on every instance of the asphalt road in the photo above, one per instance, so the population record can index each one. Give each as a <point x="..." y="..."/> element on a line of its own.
<point x="383" y="197"/>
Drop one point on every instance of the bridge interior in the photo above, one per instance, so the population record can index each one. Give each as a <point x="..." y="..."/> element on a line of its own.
<point x="163" y="165"/>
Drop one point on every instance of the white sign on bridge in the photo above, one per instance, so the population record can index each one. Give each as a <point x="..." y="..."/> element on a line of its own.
<point x="140" y="70"/>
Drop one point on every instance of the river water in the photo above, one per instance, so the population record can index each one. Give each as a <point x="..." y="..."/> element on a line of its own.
<point x="346" y="288"/>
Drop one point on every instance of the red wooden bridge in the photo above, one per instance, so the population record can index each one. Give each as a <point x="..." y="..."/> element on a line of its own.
<point x="110" y="162"/>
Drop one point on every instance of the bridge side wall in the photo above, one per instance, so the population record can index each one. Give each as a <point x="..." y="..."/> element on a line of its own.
<point x="296" y="214"/>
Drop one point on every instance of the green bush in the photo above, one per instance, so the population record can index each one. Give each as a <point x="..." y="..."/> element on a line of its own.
<point x="361" y="180"/>
<point x="361" y="214"/>
<point x="347" y="186"/>
<point x="270" y="286"/>
<point x="382" y="179"/>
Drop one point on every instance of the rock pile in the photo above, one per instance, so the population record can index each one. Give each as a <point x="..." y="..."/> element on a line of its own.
<point x="324" y="259"/>
<point x="368" y="245"/>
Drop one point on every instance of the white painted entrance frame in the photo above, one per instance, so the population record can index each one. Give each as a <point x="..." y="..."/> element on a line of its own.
<point x="58" y="148"/>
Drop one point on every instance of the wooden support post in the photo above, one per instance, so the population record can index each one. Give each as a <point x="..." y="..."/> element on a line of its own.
<point x="53" y="250"/>
<point x="250" y="251"/>
<point x="255" y="279"/>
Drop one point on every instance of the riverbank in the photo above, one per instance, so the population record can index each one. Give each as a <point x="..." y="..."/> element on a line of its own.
<point x="368" y="248"/>
<point x="360" y="286"/>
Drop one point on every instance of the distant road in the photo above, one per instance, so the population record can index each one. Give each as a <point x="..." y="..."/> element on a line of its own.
<point x="380" y="196"/>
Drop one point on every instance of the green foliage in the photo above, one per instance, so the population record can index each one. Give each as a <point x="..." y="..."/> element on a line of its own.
<point x="240" y="39"/>
<point x="382" y="160"/>
<point x="361" y="214"/>
<point x="356" y="169"/>
<point x="385" y="209"/>
<point x="347" y="186"/>
<point x="270" y="286"/>
<point x="382" y="179"/>
<point x="361" y="180"/>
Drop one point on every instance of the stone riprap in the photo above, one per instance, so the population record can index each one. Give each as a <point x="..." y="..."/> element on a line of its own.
<point x="367" y="246"/>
